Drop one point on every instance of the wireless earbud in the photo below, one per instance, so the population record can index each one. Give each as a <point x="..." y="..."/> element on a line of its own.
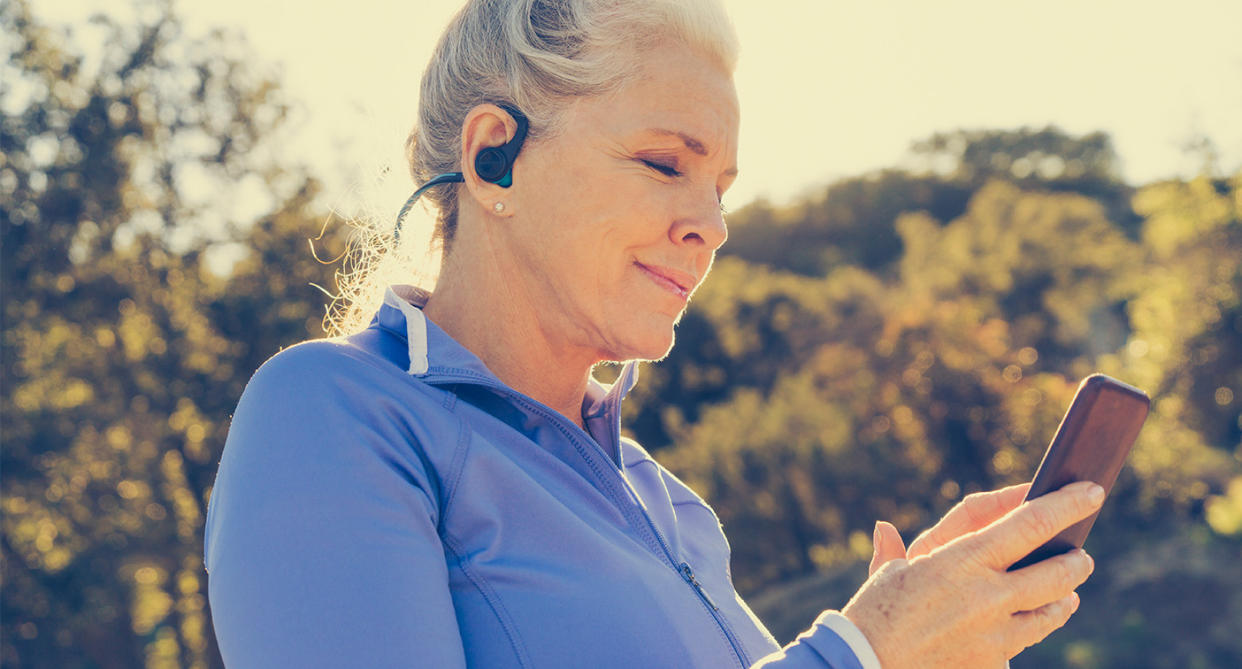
<point x="493" y="164"/>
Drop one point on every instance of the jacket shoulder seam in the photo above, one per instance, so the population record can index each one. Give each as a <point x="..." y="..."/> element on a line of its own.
<point x="456" y="468"/>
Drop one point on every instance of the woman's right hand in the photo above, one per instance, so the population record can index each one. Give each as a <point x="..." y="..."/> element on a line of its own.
<point x="957" y="606"/>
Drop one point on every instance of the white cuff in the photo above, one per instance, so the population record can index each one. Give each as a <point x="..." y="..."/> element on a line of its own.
<point x="853" y="636"/>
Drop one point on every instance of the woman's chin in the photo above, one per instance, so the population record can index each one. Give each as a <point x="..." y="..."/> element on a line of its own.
<point x="651" y="343"/>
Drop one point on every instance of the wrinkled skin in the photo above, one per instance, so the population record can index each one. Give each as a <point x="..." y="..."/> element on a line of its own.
<point x="949" y="602"/>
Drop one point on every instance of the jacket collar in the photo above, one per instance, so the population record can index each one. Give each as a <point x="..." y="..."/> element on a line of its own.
<point x="434" y="355"/>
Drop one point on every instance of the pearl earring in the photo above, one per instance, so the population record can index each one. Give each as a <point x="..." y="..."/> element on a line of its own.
<point x="499" y="207"/>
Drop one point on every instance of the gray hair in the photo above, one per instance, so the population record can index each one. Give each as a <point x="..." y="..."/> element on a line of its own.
<point x="533" y="54"/>
<point x="529" y="54"/>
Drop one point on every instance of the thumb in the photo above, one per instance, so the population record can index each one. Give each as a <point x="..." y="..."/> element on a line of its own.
<point x="888" y="546"/>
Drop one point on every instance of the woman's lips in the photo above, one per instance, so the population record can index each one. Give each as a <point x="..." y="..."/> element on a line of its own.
<point x="671" y="280"/>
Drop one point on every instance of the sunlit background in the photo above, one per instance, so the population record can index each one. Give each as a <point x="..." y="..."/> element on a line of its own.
<point x="948" y="213"/>
<point x="828" y="89"/>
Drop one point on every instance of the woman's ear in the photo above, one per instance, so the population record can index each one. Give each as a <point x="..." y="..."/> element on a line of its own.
<point x="486" y="129"/>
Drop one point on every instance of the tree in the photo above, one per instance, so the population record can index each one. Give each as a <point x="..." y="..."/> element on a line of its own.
<point x="854" y="220"/>
<point x="1034" y="159"/>
<point x="127" y="335"/>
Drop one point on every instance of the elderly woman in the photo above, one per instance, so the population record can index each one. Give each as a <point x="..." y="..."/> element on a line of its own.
<point x="449" y="487"/>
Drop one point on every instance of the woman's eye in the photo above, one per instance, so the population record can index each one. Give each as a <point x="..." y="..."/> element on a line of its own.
<point x="666" y="170"/>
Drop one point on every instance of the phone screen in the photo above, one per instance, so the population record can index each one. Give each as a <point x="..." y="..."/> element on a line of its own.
<point x="1091" y="444"/>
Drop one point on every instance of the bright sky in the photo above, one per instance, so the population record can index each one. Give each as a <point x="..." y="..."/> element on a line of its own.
<point x="828" y="89"/>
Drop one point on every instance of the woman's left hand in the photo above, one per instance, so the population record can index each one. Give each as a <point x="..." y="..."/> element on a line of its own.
<point x="975" y="512"/>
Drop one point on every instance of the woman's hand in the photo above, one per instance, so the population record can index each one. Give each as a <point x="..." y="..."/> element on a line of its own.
<point x="952" y="603"/>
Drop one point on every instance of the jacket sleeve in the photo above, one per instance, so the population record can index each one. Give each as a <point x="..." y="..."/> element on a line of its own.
<point x="833" y="642"/>
<point x="321" y="543"/>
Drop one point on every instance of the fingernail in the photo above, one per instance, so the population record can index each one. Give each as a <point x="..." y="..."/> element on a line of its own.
<point x="1095" y="494"/>
<point x="1076" y="601"/>
<point x="875" y="537"/>
<point x="1090" y="561"/>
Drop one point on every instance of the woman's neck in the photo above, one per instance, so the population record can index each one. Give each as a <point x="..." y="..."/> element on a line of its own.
<point x="480" y="301"/>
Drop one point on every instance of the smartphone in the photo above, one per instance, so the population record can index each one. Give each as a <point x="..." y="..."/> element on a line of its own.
<point x="1091" y="445"/>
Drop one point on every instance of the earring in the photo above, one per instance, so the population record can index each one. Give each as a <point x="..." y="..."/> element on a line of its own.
<point x="499" y="207"/>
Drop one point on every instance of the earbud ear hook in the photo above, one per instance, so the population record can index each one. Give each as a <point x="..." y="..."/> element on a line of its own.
<point x="493" y="164"/>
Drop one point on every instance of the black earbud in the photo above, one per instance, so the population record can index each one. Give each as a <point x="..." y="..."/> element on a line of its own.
<point x="493" y="164"/>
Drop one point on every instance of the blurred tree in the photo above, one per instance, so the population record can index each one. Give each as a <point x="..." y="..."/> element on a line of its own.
<point x="1052" y="266"/>
<point x="1042" y="156"/>
<point x="1187" y="339"/>
<point x="138" y="297"/>
<point x="854" y="221"/>
<point x="1033" y="159"/>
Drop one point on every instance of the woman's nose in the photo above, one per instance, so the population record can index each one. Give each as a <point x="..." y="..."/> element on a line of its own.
<point x="704" y="224"/>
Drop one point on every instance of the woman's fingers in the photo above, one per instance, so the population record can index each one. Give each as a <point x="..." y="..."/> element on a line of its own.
<point x="975" y="512"/>
<point x="956" y="604"/>
<point x="888" y="546"/>
<point x="1031" y="524"/>
<point x="1047" y="581"/>
<point x="1030" y="627"/>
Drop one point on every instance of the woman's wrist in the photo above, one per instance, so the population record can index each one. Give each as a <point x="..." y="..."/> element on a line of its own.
<point x="851" y="634"/>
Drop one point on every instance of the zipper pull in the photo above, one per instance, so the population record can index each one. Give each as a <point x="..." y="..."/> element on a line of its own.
<point x="688" y="574"/>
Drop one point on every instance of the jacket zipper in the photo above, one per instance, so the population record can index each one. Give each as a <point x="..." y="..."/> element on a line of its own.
<point x="688" y="574"/>
<point x="683" y="569"/>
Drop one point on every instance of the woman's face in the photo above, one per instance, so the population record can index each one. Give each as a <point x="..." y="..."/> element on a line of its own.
<point x="618" y="217"/>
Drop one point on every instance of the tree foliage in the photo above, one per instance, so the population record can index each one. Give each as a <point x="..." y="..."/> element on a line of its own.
<point x="127" y="338"/>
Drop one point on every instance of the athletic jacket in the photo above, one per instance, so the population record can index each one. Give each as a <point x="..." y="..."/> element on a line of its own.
<point x="383" y="500"/>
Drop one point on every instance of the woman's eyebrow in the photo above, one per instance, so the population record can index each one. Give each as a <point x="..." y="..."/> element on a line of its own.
<point x="691" y="142"/>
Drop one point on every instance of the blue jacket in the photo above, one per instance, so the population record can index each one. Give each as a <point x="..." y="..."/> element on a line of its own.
<point x="383" y="500"/>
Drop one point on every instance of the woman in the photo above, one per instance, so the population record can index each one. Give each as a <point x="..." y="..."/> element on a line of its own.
<point x="448" y="487"/>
